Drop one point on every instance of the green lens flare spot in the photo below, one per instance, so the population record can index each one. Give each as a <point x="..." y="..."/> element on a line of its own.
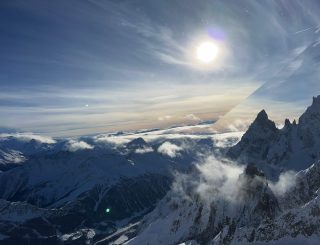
<point x="108" y="210"/>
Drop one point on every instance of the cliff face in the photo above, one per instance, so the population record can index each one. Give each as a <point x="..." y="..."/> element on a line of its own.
<point x="294" y="147"/>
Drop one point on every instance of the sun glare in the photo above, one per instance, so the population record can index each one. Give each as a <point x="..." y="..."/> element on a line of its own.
<point x="207" y="52"/>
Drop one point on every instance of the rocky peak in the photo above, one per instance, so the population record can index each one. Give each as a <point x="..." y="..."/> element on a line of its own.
<point x="137" y="143"/>
<point x="308" y="127"/>
<point x="254" y="143"/>
<point x="312" y="113"/>
<point x="316" y="100"/>
<point x="287" y="125"/>
<point x="287" y="122"/>
<point x="263" y="122"/>
<point x="262" y="116"/>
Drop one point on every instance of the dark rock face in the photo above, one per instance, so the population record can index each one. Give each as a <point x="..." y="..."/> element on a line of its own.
<point x="251" y="171"/>
<point x="300" y="214"/>
<point x="308" y="128"/>
<point x="255" y="193"/>
<point x="264" y="144"/>
<point x="255" y="142"/>
<point x="137" y="143"/>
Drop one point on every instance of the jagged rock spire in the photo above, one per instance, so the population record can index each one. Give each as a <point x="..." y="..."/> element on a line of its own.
<point x="316" y="100"/>
<point x="262" y="120"/>
<point x="287" y="122"/>
<point x="254" y="142"/>
<point x="262" y="115"/>
<point x="312" y="113"/>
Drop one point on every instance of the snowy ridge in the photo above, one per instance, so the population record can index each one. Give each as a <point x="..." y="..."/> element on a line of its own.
<point x="167" y="188"/>
<point x="294" y="147"/>
<point x="255" y="214"/>
<point x="258" y="216"/>
<point x="63" y="192"/>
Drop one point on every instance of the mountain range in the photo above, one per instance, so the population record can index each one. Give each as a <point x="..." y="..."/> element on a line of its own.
<point x="257" y="187"/>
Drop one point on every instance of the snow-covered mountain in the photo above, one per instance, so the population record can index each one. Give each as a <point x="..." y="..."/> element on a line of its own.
<point x="223" y="202"/>
<point x="255" y="215"/>
<point x="294" y="147"/>
<point x="161" y="187"/>
<point x="60" y="189"/>
<point x="194" y="217"/>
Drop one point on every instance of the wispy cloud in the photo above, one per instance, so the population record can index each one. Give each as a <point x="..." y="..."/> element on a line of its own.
<point x="285" y="182"/>
<point x="134" y="62"/>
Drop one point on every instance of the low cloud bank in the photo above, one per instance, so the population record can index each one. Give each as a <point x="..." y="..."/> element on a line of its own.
<point x="28" y="137"/>
<point x="214" y="179"/>
<point x="144" y="150"/>
<point x="114" y="140"/>
<point x="239" y="125"/>
<point x="227" y="139"/>
<point x="219" y="179"/>
<point x="192" y="117"/>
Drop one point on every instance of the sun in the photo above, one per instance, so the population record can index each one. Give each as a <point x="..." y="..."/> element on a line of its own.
<point x="207" y="52"/>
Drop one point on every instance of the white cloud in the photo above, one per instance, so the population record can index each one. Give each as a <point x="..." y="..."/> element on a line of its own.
<point x="239" y="125"/>
<point x="116" y="140"/>
<point x="218" y="176"/>
<point x="286" y="181"/>
<point x="144" y="150"/>
<point x="169" y="149"/>
<point x="28" y="137"/>
<point x="74" y="145"/>
<point x="227" y="139"/>
<point x="215" y="180"/>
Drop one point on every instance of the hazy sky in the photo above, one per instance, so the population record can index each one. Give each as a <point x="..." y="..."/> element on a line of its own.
<point x="87" y="66"/>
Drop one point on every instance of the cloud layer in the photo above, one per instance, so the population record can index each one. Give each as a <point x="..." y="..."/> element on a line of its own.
<point x="28" y="137"/>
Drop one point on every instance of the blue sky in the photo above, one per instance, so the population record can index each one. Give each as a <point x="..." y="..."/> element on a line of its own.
<point x="88" y="66"/>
